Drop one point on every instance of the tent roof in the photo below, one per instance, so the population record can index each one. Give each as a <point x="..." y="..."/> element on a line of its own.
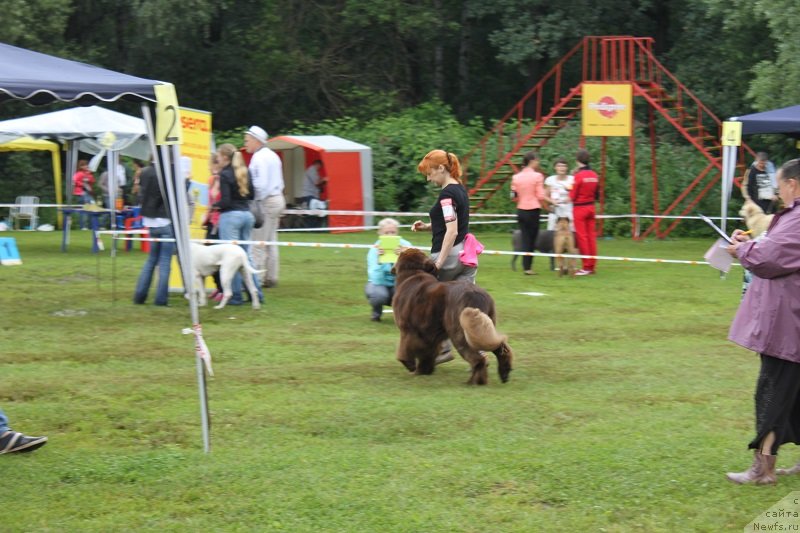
<point x="75" y="123"/>
<point x="90" y="126"/>
<point x="26" y="144"/>
<point x="784" y="120"/>
<point x="41" y="79"/>
<point x="322" y="143"/>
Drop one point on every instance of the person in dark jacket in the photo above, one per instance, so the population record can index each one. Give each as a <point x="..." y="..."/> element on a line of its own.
<point x="758" y="185"/>
<point x="235" y="220"/>
<point x="156" y="219"/>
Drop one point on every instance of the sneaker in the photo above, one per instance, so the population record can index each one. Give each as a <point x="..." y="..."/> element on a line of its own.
<point x="584" y="273"/>
<point x="530" y="273"/>
<point x="269" y="284"/>
<point x="444" y="357"/>
<point x="13" y="441"/>
<point x="217" y="297"/>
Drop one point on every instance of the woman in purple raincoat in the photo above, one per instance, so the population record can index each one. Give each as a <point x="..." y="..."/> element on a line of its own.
<point x="768" y="322"/>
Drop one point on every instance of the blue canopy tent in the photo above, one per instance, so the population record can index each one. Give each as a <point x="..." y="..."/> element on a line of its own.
<point x="785" y="120"/>
<point x="39" y="79"/>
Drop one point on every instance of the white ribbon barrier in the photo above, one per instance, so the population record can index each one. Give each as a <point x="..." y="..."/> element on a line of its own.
<point x="323" y="212"/>
<point x="116" y="235"/>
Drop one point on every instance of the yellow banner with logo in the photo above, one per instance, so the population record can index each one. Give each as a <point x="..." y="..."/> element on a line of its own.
<point x="607" y="110"/>
<point x="196" y="147"/>
<point x="195" y="155"/>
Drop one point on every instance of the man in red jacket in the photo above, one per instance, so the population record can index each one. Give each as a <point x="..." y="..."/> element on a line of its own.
<point x="583" y="195"/>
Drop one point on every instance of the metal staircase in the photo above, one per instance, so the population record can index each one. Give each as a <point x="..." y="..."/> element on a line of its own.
<point x="556" y="99"/>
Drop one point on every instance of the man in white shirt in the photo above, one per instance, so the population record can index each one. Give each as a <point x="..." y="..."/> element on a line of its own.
<point x="312" y="182"/>
<point x="266" y="170"/>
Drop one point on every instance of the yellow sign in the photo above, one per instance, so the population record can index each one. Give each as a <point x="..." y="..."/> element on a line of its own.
<point x="168" y="118"/>
<point x="195" y="155"/>
<point x="607" y="110"/>
<point x="731" y="133"/>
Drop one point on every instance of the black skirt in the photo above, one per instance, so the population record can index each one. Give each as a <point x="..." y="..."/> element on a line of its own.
<point x="777" y="402"/>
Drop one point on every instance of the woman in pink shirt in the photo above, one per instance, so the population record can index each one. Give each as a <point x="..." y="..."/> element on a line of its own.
<point x="527" y="190"/>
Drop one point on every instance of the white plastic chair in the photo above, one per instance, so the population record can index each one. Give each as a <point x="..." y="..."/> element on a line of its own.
<point x="26" y="208"/>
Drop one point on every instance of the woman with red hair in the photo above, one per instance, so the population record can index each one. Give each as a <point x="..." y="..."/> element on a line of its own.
<point x="449" y="223"/>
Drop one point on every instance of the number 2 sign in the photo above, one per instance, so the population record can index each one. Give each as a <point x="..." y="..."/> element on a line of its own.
<point x="168" y="120"/>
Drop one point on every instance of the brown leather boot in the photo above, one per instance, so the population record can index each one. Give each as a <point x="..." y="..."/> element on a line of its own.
<point x="761" y="472"/>
<point x="788" y="471"/>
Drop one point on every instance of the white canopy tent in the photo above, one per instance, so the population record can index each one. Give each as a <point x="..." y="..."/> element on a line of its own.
<point x="92" y="130"/>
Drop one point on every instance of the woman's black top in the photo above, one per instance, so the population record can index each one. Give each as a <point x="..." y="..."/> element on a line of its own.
<point x="230" y="199"/>
<point x="452" y="204"/>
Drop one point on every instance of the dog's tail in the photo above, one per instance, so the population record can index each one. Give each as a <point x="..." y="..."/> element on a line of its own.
<point x="252" y="270"/>
<point x="479" y="330"/>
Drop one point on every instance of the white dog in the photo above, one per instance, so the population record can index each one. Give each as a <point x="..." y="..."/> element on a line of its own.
<point x="228" y="259"/>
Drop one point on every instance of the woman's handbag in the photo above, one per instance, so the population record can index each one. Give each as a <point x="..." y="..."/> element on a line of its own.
<point x="255" y="208"/>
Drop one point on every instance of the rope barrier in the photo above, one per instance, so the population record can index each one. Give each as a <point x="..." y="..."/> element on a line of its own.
<point x="290" y="244"/>
<point x="324" y="213"/>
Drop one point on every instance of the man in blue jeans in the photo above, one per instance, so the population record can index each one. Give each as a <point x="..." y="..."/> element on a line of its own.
<point x="13" y="441"/>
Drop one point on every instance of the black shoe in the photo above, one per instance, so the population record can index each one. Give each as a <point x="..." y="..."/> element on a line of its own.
<point x="13" y="441"/>
<point x="376" y="318"/>
<point x="269" y="284"/>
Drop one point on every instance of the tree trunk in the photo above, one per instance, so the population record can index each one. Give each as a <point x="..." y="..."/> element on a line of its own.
<point x="465" y="39"/>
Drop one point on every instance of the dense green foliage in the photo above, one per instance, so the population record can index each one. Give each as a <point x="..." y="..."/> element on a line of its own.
<point x="404" y="77"/>
<point x="275" y="63"/>
<point x="622" y="417"/>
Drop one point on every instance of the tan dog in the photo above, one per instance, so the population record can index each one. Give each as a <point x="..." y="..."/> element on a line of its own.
<point x="754" y="218"/>
<point x="429" y="311"/>
<point x="564" y="243"/>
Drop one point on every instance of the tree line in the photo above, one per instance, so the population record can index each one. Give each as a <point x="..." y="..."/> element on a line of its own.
<point x="388" y="72"/>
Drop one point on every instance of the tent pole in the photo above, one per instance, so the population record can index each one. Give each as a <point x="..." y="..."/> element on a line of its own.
<point x="728" y="168"/>
<point x="56" y="157"/>
<point x="176" y="199"/>
<point x="179" y="204"/>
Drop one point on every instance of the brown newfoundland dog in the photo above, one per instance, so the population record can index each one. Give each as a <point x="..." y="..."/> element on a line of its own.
<point x="429" y="311"/>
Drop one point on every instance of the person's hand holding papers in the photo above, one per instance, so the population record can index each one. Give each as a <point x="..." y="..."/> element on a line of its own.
<point x="739" y="237"/>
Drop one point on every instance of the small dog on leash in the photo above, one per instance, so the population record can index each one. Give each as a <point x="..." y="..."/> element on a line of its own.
<point x="564" y="243"/>
<point x="754" y="218"/>
<point x="544" y="244"/>
<point x="228" y="259"/>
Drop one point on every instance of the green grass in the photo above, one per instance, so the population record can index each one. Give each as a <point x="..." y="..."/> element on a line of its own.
<point x="625" y="408"/>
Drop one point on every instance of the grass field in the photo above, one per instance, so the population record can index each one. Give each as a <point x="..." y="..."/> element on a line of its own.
<point x="625" y="408"/>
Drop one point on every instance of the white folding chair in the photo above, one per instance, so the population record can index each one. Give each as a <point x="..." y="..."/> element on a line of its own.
<point x="25" y="208"/>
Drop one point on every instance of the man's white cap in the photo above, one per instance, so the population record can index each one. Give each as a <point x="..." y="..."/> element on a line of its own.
<point x="259" y="133"/>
